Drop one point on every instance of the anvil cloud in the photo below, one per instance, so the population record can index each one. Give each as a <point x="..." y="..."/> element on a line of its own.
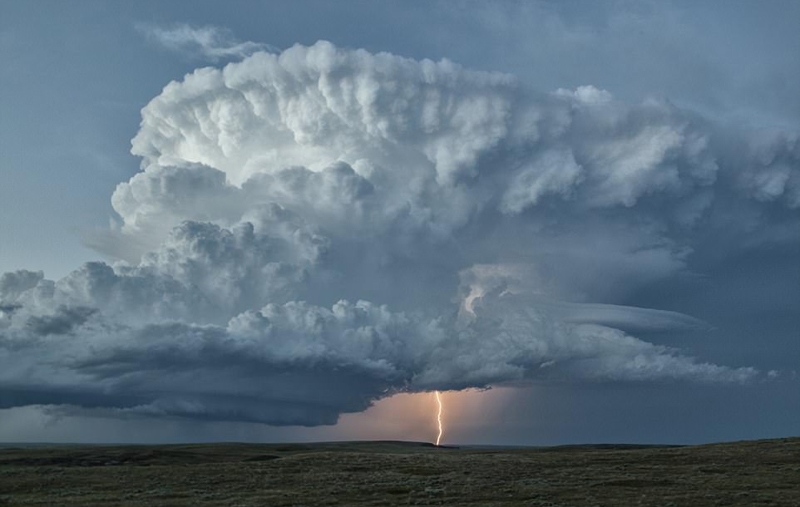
<point x="313" y="230"/>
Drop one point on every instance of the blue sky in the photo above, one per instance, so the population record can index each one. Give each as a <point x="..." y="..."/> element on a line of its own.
<point x="672" y="189"/>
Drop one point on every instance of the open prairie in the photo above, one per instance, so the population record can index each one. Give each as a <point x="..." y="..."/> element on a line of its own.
<point x="402" y="473"/>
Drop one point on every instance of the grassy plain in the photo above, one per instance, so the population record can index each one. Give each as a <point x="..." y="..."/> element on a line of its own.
<point x="757" y="473"/>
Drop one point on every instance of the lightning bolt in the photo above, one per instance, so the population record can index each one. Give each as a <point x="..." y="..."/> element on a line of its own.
<point x="439" y="418"/>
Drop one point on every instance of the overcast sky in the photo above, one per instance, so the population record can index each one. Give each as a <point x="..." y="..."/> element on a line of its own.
<point x="295" y="220"/>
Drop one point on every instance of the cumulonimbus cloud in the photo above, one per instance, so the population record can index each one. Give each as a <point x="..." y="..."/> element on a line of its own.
<point x="316" y="229"/>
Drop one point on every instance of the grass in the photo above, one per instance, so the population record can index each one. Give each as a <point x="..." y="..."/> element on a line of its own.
<point x="402" y="473"/>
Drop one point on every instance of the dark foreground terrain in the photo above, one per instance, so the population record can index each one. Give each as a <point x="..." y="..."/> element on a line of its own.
<point x="396" y="473"/>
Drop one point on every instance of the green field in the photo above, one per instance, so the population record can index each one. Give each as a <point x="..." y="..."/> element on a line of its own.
<point x="402" y="473"/>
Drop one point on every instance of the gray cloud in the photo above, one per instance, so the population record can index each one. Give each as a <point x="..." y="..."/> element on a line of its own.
<point x="317" y="229"/>
<point x="12" y="285"/>
<point x="63" y="321"/>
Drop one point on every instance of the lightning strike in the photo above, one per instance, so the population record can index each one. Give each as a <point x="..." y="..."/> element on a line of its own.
<point x="439" y="417"/>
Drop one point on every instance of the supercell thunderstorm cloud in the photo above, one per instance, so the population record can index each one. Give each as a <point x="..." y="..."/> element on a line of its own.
<point x="314" y="230"/>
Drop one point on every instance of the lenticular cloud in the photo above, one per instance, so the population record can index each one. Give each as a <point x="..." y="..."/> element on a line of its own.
<point x="317" y="229"/>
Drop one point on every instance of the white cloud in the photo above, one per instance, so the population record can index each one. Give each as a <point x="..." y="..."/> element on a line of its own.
<point x="209" y="42"/>
<point x="486" y="233"/>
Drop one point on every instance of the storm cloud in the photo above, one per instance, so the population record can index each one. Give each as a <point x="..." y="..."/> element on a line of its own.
<point x="313" y="230"/>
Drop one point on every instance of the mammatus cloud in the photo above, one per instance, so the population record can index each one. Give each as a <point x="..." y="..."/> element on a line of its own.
<point x="317" y="229"/>
<point x="209" y="42"/>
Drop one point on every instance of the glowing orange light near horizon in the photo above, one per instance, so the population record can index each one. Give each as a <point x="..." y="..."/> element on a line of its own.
<point x="471" y="415"/>
<point x="439" y="417"/>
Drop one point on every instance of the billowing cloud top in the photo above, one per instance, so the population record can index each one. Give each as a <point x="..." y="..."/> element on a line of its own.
<point x="316" y="229"/>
